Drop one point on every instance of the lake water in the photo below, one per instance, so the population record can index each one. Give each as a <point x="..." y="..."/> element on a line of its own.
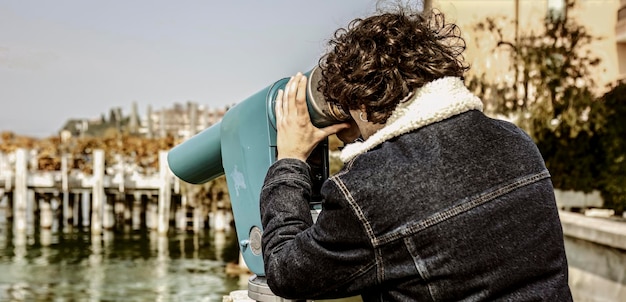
<point x="140" y="265"/>
<point x="122" y="266"/>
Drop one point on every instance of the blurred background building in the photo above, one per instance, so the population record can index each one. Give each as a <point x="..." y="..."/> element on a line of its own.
<point x="180" y="121"/>
<point x="604" y="19"/>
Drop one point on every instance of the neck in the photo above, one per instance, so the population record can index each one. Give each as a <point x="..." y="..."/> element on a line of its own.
<point x="433" y="102"/>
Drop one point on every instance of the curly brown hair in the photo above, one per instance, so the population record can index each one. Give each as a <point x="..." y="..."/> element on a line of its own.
<point x="377" y="61"/>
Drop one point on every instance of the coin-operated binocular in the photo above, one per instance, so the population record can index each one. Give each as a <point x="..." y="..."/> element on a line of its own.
<point x="243" y="146"/>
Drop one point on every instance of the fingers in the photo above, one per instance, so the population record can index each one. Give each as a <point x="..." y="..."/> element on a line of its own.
<point x="294" y="97"/>
<point x="333" y="129"/>
<point x="278" y="105"/>
<point x="296" y="135"/>
<point x="301" y="96"/>
<point x="350" y="133"/>
<point x="289" y="91"/>
<point x="286" y="103"/>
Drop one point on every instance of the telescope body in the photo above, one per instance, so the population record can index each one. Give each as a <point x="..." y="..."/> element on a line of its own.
<point x="242" y="146"/>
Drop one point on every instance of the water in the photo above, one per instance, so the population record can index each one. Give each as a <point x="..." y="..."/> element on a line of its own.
<point x="120" y="266"/>
<point x="139" y="265"/>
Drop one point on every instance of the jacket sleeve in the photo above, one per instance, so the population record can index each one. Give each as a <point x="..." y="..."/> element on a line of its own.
<point x="329" y="259"/>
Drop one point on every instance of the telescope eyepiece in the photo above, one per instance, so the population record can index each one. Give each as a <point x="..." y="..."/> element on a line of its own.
<point x="323" y="112"/>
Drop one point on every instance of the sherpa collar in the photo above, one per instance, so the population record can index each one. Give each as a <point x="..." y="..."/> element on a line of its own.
<point x="433" y="102"/>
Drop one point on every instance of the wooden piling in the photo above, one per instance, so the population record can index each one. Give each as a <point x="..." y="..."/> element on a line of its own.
<point x="151" y="213"/>
<point x="120" y="197"/>
<point x="6" y="174"/>
<point x="20" y="191"/>
<point x="45" y="213"/>
<point x="98" y="196"/>
<point x="5" y="171"/>
<point x="67" y="212"/>
<point x="137" y="219"/>
<point x="86" y="209"/>
<point x="198" y="219"/>
<point x="165" y="194"/>
<point x="127" y="215"/>
<point x="32" y="208"/>
<point x="108" y="216"/>
<point x="144" y="211"/>
<point x="66" y="198"/>
<point x="76" y="210"/>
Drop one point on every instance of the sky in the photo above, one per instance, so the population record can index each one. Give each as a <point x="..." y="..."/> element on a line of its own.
<point x="67" y="59"/>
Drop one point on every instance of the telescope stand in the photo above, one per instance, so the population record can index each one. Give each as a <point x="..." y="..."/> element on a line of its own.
<point x="258" y="290"/>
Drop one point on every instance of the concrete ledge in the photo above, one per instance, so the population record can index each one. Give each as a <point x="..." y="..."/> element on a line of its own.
<point x="597" y="230"/>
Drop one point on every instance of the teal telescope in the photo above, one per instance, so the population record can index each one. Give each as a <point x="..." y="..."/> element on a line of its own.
<point x="242" y="146"/>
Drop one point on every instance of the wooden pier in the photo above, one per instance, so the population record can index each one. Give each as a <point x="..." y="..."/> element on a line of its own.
<point x="110" y="197"/>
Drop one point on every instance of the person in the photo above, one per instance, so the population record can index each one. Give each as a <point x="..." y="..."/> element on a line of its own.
<point x="435" y="202"/>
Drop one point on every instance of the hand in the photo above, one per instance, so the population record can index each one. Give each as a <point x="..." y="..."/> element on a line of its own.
<point x="296" y="136"/>
<point x="350" y="134"/>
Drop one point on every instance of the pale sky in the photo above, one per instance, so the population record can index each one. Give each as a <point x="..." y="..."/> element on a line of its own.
<point x="66" y="59"/>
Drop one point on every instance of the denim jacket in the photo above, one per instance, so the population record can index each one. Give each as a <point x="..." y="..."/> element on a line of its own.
<point x="455" y="207"/>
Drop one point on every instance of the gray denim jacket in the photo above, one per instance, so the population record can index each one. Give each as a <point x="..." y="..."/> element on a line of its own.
<point x="461" y="209"/>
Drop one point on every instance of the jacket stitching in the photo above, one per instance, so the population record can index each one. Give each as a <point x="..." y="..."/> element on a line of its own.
<point x="346" y="169"/>
<point x="357" y="210"/>
<point x="368" y="228"/>
<point x="476" y="201"/>
<point x="380" y="272"/>
<point x="422" y="270"/>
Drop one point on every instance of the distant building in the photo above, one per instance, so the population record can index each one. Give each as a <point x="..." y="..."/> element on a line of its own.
<point x="75" y="127"/>
<point x="179" y="121"/>
<point x="604" y="19"/>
